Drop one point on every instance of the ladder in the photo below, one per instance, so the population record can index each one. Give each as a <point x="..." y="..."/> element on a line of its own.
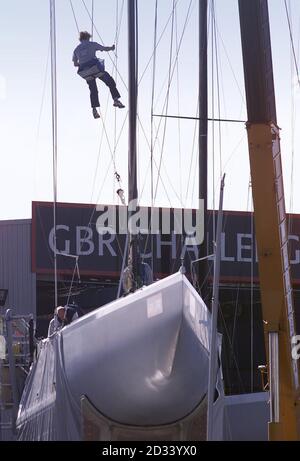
<point x="16" y="356"/>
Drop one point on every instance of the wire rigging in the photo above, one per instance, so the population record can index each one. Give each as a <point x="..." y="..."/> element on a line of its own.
<point x="95" y="28"/>
<point x="54" y="134"/>
<point x="92" y="29"/>
<point x="292" y="42"/>
<point x="74" y="15"/>
<point x="104" y="133"/>
<point x="167" y="96"/>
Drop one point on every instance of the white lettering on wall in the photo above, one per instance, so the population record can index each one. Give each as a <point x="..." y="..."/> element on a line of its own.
<point x="241" y="247"/>
<point x="106" y="242"/>
<point x="296" y="260"/>
<point x="66" y="249"/>
<point x="84" y="244"/>
<point x="161" y="244"/>
<point x="223" y="249"/>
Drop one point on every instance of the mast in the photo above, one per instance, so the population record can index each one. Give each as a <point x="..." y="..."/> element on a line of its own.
<point x="54" y="134"/>
<point x="212" y="374"/>
<point x="132" y="164"/>
<point x="203" y="266"/>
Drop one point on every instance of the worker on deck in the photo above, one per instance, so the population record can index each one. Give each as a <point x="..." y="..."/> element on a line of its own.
<point x="63" y="315"/>
<point x="90" y="68"/>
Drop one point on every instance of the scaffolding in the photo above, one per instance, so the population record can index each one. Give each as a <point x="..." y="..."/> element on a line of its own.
<point x="16" y="355"/>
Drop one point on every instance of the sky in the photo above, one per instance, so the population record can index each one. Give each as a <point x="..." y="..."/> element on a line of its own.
<point x="88" y="148"/>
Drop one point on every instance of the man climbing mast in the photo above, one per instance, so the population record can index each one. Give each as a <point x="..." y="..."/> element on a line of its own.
<point x="90" y="68"/>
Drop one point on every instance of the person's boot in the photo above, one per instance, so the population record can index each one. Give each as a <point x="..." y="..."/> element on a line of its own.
<point x="95" y="113"/>
<point x="118" y="103"/>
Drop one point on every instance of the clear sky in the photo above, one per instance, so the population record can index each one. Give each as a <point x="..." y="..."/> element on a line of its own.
<point x="85" y="150"/>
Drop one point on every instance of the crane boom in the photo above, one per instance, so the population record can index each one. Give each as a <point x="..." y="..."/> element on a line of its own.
<point x="270" y="220"/>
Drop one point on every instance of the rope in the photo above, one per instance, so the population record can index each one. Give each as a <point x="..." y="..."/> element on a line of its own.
<point x="178" y="111"/>
<point x="292" y="42"/>
<point x="74" y="16"/>
<point x="160" y="37"/>
<point x="95" y="28"/>
<point x="152" y="100"/>
<point x="213" y="116"/>
<point x="92" y="29"/>
<point x="54" y="131"/>
<point x="218" y="96"/>
<point x="170" y="79"/>
<point x="191" y="163"/>
<point x="104" y="132"/>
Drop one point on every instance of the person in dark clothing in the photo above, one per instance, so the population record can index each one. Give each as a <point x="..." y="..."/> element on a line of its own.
<point x="90" y="68"/>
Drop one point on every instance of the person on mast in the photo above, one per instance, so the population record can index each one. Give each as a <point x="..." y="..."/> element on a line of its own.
<point x="90" y="68"/>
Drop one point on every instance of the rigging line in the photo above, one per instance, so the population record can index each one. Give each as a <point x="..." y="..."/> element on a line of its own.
<point x="109" y="56"/>
<point x="213" y="116"/>
<point x="218" y="96"/>
<point x="178" y="111"/>
<point x="232" y="352"/>
<point x="74" y="15"/>
<point x="162" y="164"/>
<point x="92" y="28"/>
<point x="230" y="65"/>
<point x="199" y="118"/>
<point x="108" y="143"/>
<point x="235" y="314"/>
<point x="54" y="133"/>
<point x="112" y="161"/>
<point x="160" y="37"/>
<point x="184" y="28"/>
<point x="162" y="182"/>
<point x="152" y="100"/>
<point x="115" y="113"/>
<point x="41" y="107"/>
<point x="292" y="42"/>
<point x="117" y="143"/>
<point x="189" y="12"/>
<point x="100" y="192"/>
<point x="167" y="96"/>
<point x="118" y="29"/>
<point x="249" y="201"/>
<point x="166" y="192"/>
<point x="152" y="122"/>
<point x="192" y="160"/>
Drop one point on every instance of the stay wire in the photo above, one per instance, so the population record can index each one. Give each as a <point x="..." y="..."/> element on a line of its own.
<point x="95" y="28"/>
<point x="292" y="42"/>
<point x="167" y="96"/>
<point x="74" y="15"/>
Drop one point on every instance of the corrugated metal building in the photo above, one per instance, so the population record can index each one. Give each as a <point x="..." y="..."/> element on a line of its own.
<point x="15" y="266"/>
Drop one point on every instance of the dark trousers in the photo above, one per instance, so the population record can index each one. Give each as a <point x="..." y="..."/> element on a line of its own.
<point x="109" y="81"/>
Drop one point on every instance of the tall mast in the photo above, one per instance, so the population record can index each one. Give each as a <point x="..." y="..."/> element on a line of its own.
<point x="203" y="266"/>
<point x="132" y="163"/>
<point x="54" y="134"/>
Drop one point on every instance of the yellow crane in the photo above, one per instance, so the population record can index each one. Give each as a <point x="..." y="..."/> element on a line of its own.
<point x="270" y="221"/>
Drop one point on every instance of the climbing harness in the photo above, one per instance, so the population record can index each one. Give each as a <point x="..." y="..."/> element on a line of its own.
<point x="92" y="69"/>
